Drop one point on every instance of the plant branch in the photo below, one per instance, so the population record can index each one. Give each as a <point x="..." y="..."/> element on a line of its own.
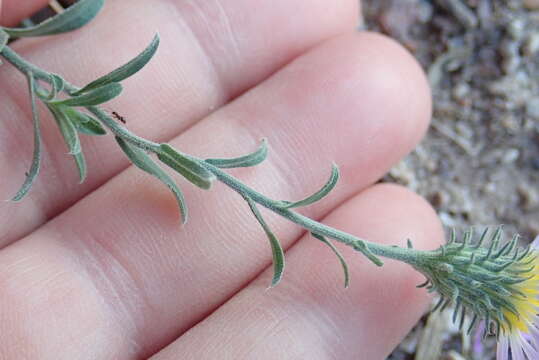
<point x="369" y="249"/>
<point x="26" y="67"/>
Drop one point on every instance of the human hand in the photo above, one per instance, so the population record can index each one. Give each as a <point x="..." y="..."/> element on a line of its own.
<point x="103" y="270"/>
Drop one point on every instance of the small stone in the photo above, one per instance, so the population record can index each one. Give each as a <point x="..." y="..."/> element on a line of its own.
<point x="447" y="219"/>
<point x="461" y="12"/>
<point x="531" y="46"/>
<point x="436" y="199"/>
<point x="516" y="28"/>
<point x="510" y="156"/>
<point x="490" y="187"/>
<point x="462" y="89"/>
<point x="529" y="196"/>
<point x="532" y="108"/>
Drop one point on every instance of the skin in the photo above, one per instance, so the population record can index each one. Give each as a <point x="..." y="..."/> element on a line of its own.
<point x="104" y="269"/>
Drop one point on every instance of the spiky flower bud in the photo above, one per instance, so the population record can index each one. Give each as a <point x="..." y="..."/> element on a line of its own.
<point x="499" y="285"/>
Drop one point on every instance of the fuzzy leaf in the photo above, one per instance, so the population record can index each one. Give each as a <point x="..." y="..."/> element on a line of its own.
<point x="189" y="169"/>
<point x="4" y="37"/>
<point x="326" y="189"/>
<point x="93" y="97"/>
<point x="81" y="166"/>
<point x="339" y="255"/>
<point x="57" y="85"/>
<point x="84" y="123"/>
<point x="251" y="159"/>
<point x="72" y="18"/>
<point x="67" y="128"/>
<point x="126" y="70"/>
<point x="145" y="163"/>
<point x="36" y="161"/>
<point x="276" y="248"/>
<point x="71" y="138"/>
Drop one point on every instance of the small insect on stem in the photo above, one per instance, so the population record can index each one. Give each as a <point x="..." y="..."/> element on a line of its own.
<point x="119" y="117"/>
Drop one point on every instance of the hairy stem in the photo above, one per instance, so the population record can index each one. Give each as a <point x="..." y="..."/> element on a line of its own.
<point x="410" y="256"/>
<point x="407" y="255"/>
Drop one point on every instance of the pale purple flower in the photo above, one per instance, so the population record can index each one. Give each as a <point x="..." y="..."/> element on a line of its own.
<point x="520" y="341"/>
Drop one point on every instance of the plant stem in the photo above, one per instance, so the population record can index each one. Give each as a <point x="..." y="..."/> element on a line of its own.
<point x="25" y="67"/>
<point x="410" y="256"/>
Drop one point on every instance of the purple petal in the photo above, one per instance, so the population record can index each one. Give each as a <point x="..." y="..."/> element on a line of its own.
<point x="502" y="353"/>
<point x="516" y="348"/>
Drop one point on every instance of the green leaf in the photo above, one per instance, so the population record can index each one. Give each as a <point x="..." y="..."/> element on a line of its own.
<point x="81" y="166"/>
<point x="57" y="85"/>
<point x="126" y="70"/>
<point x="362" y="247"/>
<point x="71" y="138"/>
<point x="93" y="97"/>
<point x="36" y="161"/>
<point x="276" y="248"/>
<point x="326" y="189"/>
<point x="145" y="163"/>
<point x="67" y="128"/>
<point x="188" y="168"/>
<point x="339" y="255"/>
<point x="4" y="37"/>
<point x="72" y="18"/>
<point x="251" y="159"/>
<point x="84" y="123"/>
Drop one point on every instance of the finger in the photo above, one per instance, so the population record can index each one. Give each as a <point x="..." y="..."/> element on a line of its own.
<point x="210" y="52"/>
<point x="309" y="315"/>
<point x="13" y="11"/>
<point x="155" y="279"/>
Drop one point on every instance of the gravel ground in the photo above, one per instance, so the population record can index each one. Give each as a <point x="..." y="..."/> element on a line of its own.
<point x="478" y="165"/>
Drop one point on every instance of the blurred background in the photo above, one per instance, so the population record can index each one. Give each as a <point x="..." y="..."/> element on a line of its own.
<point x="479" y="163"/>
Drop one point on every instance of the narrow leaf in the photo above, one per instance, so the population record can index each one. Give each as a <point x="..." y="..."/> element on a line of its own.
<point x="72" y="18"/>
<point x="339" y="255"/>
<point x="84" y="123"/>
<point x="67" y="128"/>
<point x="276" y="248"/>
<point x="93" y="97"/>
<point x="326" y="189"/>
<point x="4" y="37"/>
<point x="81" y="166"/>
<point x="126" y="70"/>
<point x="57" y="85"/>
<point x="145" y="163"/>
<point x="251" y="159"/>
<point x="188" y="168"/>
<point x="36" y="161"/>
